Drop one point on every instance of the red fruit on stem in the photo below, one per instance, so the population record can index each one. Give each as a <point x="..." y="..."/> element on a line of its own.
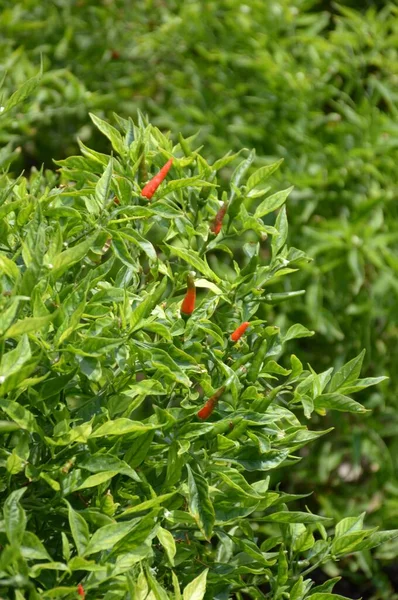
<point x="210" y="404"/>
<point x="150" y="188"/>
<point x="188" y="304"/>
<point x="239" y="331"/>
<point x="217" y="223"/>
<point x="80" y="591"/>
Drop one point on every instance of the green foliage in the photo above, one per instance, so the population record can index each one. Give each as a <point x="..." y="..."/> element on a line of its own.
<point x="109" y="479"/>
<point x="312" y="83"/>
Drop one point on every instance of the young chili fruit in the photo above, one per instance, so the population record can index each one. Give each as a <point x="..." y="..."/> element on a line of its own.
<point x="210" y="404"/>
<point x="259" y="356"/>
<point x="80" y="591"/>
<point x="217" y="223"/>
<point x="152" y="185"/>
<point x="239" y="331"/>
<point x="188" y="304"/>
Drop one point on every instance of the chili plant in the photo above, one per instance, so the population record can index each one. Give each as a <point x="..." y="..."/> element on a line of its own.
<point x="116" y="480"/>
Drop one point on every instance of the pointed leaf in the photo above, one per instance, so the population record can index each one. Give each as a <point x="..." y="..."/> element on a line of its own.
<point x="199" y="503"/>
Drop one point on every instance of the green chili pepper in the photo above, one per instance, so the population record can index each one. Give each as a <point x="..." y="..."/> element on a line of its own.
<point x="242" y="361"/>
<point x="258" y="360"/>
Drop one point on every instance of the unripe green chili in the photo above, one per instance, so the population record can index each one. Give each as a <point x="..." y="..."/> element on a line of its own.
<point x="223" y="426"/>
<point x="238" y="430"/>
<point x="242" y="361"/>
<point x="258" y="360"/>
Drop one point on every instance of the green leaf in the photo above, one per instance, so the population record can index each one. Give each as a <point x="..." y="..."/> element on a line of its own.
<point x="59" y="592"/>
<point x="362" y="384"/>
<point x="28" y="325"/>
<point x="14" y="360"/>
<point x="79" y="529"/>
<point x="22" y="416"/>
<point x="262" y="174"/>
<point x="283" y="567"/>
<point x="327" y="586"/>
<point x="8" y="315"/>
<point x="195" y="261"/>
<point x="347" y="374"/>
<point x="168" y="543"/>
<point x="106" y="537"/>
<point x="252" y="460"/>
<point x="32" y="548"/>
<point x="158" y="592"/>
<point x="235" y="479"/>
<point x="147" y="504"/>
<point x="111" y="133"/>
<point x="103" y="186"/>
<point x="147" y="305"/>
<point x="236" y="180"/>
<point x="197" y="588"/>
<point x="122" y="426"/>
<point x="72" y="255"/>
<point x="272" y="203"/>
<point x="23" y="92"/>
<point x="326" y="596"/>
<point x="377" y="538"/>
<point x="199" y="503"/>
<point x="297" y="331"/>
<point x="337" y="401"/>
<point x="141" y="242"/>
<point x="176" y="586"/>
<point x="178" y="184"/>
<point x="105" y="462"/>
<point x="297" y="591"/>
<point x="293" y="517"/>
<point x="348" y="542"/>
<point x="349" y="524"/>
<point x="14" y="517"/>
<point x="279" y="239"/>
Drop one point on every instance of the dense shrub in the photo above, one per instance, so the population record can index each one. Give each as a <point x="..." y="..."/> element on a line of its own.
<point x="311" y="82"/>
<point x="111" y="484"/>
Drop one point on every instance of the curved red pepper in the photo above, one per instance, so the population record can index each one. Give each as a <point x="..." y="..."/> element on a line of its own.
<point x="80" y="591"/>
<point x="239" y="331"/>
<point x="217" y="223"/>
<point x="188" y="304"/>
<point x="152" y="185"/>
<point x="210" y="404"/>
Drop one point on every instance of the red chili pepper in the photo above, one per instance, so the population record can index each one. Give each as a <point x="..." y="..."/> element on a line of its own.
<point x="188" y="304"/>
<point x="80" y="591"/>
<point x="217" y="223"/>
<point x="210" y="404"/>
<point x="116" y="200"/>
<point x="239" y="331"/>
<point x="152" y="185"/>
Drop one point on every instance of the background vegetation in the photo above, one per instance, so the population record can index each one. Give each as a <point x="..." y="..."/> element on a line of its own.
<point x="313" y="83"/>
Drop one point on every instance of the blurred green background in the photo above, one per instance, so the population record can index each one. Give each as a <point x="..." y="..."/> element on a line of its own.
<point x="315" y="83"/>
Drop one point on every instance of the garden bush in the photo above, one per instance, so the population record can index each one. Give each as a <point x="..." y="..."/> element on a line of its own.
<point x="311" y="82"/>
<point x="115" y="483"/>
